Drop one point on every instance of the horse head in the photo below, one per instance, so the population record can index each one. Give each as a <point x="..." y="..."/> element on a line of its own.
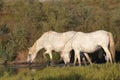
<point x="65" y="56"/>
<point x="31" y="56"/>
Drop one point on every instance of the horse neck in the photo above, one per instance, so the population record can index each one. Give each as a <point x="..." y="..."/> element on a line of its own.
<point x="38" y="45"/>
<point x="68" y="46"/>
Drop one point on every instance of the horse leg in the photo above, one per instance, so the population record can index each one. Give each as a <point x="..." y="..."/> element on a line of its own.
<point x="50" y="54"/>
<point x="84" y="61"/>
<point x="75" y="59"/>
<point x="88" y="58"/>
<point x="77" y="56"/>
<point x="108" y="54"/>
<point x="46" y="52"/>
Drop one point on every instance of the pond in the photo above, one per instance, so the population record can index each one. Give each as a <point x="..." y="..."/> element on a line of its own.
<point x="15" y="69"/>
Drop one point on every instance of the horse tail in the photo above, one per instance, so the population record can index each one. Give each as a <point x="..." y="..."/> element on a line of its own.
<point x="112" y="46"/>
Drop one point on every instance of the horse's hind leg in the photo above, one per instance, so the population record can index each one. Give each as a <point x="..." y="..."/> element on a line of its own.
<point x="88" y="58"/>
<point x="108" y="54"/>
<point x="84" y="61"/>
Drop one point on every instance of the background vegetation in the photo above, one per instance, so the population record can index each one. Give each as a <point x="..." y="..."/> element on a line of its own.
<point x="22" y="22"/>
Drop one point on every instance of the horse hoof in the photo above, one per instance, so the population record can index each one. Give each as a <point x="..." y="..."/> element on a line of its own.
<point x="67" y="64"/>
<point x="51" y="63"/>
<point x="73" y="65"/>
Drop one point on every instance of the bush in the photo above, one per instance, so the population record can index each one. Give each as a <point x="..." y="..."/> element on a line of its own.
<point x="28" y="20"/>
<point x="1" y="5"/>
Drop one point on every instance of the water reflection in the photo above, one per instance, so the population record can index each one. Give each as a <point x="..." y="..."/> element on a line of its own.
<point x="15" y="69"/>
<point x="4" y="69"/>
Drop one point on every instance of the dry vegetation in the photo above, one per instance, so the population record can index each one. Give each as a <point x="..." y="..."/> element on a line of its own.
<point x="24" y="21"/>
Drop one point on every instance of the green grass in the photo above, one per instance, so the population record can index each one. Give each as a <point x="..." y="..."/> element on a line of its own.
<point x="91" y="72"/>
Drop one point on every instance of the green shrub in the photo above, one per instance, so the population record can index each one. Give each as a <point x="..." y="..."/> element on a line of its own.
<point x="25" y="21"/>
<point x="1" y="5"/>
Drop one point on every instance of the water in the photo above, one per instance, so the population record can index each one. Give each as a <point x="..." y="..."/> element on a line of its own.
<point x="15" y="69"/>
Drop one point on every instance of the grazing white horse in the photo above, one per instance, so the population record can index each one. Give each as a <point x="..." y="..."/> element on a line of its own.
<point x="65" y="53"/>
<point x="89" y="43"/>
<point x="49" y="41"/>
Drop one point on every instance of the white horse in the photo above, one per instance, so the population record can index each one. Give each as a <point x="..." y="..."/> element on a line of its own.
<point x="88" y="43"/>
<point x="49" y="41"/>
<point x="65" y="53"/>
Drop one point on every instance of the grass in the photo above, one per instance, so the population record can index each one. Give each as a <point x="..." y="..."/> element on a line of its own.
<point x="90" y="72"/>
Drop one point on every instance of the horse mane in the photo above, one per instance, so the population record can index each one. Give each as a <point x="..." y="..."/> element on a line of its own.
<point x="34" y="47"/>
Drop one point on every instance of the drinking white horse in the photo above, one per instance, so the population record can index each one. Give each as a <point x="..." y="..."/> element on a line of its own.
<point x="88" y="43"/>
<point x="49" y="41"/>
<point x="65" y="53"/>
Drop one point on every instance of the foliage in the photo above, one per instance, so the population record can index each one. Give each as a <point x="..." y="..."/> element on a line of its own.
<point x="1" y="5"/>
<point x="24" y="21"/>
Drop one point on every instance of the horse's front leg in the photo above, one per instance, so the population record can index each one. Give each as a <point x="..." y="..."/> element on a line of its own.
<point x="75" y="59"/>
<point x="44" y="54"/>
<point x="77" y="56"/>
<point x="51" y="58"/>
<point x="50" y="55"/>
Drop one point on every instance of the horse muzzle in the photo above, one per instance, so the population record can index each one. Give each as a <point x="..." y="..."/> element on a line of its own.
<point x="29" y="62"/>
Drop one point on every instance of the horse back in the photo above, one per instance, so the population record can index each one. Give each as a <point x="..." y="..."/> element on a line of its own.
<point x="90" y="41"/>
